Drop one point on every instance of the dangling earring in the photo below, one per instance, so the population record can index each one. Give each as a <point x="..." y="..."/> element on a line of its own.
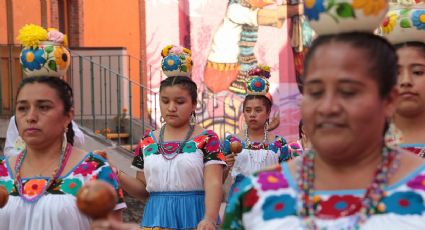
<point x="266" y="126"/>
<point x="393" y="135"/>
<point x="161" y="119"/>
<point x="65" y="139"/>
<point x="193" y="119"/>
<point x="19" y="144"/>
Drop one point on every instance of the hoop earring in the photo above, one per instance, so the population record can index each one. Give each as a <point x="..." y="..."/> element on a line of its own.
<point x="161" y="119"/>
<point x="193" y="119"/>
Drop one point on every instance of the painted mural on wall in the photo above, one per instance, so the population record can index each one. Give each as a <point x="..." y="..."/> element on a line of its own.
<point x="227" y="39"/>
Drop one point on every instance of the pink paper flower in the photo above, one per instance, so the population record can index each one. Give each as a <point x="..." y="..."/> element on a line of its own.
<point x="55" y="36"/>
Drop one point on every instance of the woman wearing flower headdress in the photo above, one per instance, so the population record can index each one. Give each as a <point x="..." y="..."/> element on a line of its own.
<point x="180" y="166"/>
<point x="349" y="179"/>
<point x="409" y="41"/>
<point x="260" y="149"/>
<point x="35" y="64"/>
<point x="43" y="179"/>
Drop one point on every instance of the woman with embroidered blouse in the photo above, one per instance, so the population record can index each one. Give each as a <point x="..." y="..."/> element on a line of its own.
<point x="349" y="179"/>
<point x="43" y="180"/>
<point x="259" y="148"/>
<point x="180" y="166"/>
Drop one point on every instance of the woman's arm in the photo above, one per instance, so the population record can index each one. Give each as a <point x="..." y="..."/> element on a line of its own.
<point x="135" y="187"/>
<point x="213" y="175"/>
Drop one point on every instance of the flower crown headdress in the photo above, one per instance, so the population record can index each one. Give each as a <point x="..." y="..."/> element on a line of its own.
<point x="31" y="35"/>
<point x="258" y="83"/>
<point x="43" y="52"/>
<point x="176" y="61"/>
<point x="405" y="22"/>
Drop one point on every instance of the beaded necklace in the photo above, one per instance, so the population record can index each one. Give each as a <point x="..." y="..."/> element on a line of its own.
<point x="65" y="153"/>
<point x="180" y="147"/>
<point x="262" y="145"/>
<point x="371" y="199"/>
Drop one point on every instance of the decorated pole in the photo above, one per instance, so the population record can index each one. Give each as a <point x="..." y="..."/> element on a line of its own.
<point x="301" y="36"/>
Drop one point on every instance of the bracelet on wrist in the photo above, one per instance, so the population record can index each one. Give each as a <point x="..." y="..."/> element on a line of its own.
<point x="210" y="221"/>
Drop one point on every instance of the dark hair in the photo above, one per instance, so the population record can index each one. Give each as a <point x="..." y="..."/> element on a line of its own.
<point x="300" y="129"/>
<point x="267" y="103"/>
<point x="380" y="54"/>
<point x="418" y="45"/>
<point x="184" y="82"/>
<point x="64" y="92"/>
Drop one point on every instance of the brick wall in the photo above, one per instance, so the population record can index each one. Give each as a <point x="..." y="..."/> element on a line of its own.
<point x="73" y="23"/>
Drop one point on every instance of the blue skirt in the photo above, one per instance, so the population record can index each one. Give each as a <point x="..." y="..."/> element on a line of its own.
<point x="174" y="210"/>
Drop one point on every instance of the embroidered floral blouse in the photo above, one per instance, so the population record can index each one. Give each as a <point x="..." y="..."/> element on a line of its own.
<point x="268" y="200"/>
<point x="182" y="172"/>
<point x="258" y="156"/>
<point x="57" y="208"/>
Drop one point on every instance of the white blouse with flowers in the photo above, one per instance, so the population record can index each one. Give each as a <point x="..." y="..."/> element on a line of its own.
<point x="268" y="200"/>
<point x="57" y="208"/>
<point x="259" y="156"/>
<point x="167" y="172"/>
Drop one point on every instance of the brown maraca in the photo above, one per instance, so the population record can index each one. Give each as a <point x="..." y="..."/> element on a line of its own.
<point x="235" y="147"/>
<point x="96" y="199"/>
<point x="4" y="196"/>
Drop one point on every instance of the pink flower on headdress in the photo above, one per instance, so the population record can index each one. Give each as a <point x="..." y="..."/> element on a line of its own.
<point x="260" y="70"/>
<point x="55" y="36"/>
<point x="176" y="50"/>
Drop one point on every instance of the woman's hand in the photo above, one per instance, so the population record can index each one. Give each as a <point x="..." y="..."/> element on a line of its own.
<point x="230" y="160"/>
<point x="206" y="224"/>
<point x="112" y="224"/>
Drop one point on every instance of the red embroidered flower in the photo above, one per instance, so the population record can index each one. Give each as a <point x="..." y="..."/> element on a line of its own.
<point x="147" y="141"/>
<point x="200" y="140"/>
<point x="213" y="144"/>
<point x="250" y="198"/>
<point x="86" y="168"/>
<point x="3" y="169"/>
<point x="338" y="206"/>
<point x="34" y="187"/>
<point x="221" y="156"/>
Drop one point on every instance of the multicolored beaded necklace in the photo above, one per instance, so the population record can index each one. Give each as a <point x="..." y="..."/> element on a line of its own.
<point x="179" y="148"/>
<point x="372" y="197"/>
<point x="262" y="145"/>
<point x="65" y="153"/>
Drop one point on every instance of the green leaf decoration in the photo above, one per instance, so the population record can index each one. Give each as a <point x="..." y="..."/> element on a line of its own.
<point x="404" y="12"/>
<point x="345" y="10"/>
<point x="184" y="68"/>
<point x="48" y="49"/>
<point x="405" y="23"/>
<point x="52" y="65"/>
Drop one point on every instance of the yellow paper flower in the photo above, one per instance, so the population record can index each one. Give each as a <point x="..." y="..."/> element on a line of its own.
<point x="389" y="23"/>
<point x="165" y="50"/>
<point x="30" y="35"/>
<point x="370" y="7"/>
